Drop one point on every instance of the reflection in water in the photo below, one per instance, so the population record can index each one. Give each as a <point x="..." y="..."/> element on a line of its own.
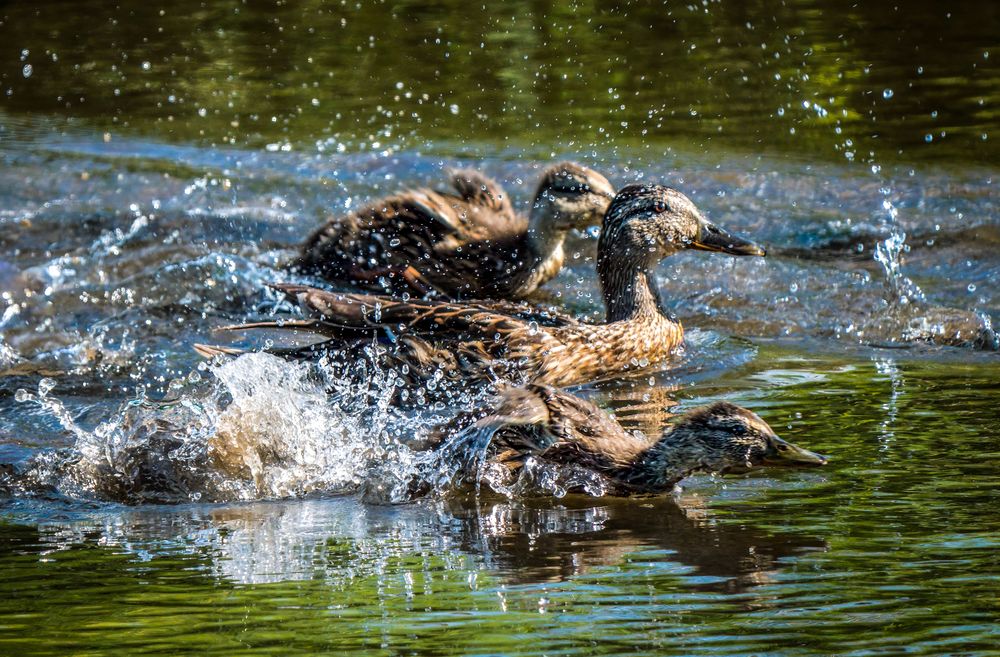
<point x="887" y="367"/>
<point x="894" y="545"/>
<point x="531" y="543"/>
<point x="343" y="540"/>
<point x="117" y="252"/>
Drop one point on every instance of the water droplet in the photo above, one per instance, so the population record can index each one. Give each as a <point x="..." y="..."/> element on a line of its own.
<point x="972" y="287"/>
<point x="22" y="395"/>
<point x="26" y="71"/>
<point x="928" y="137"/>
<point x="453" y="109"/>
<point x="146" y="66"/>
<point x="887" y="93"/>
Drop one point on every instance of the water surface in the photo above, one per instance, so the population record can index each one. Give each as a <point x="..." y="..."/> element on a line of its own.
<point x="159" y="164"/>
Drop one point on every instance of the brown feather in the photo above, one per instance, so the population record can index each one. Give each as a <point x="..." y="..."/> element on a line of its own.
<point x="554" y="426"/>
<point x="467" y="243"/>
<point x="485" y="341"/>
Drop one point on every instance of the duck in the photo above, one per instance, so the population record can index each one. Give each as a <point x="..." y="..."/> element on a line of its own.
<point x="490" y="341"/>
<point x="464" y="243"/>
<point x="556" y="427"/>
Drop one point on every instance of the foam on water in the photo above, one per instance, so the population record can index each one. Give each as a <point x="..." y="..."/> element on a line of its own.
<point x="265" y="428"/>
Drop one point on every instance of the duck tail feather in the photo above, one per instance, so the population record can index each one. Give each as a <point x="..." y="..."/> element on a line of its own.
<point x="213" y="350"/>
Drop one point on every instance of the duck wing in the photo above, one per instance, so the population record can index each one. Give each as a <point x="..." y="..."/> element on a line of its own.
<point x="464" y="342"/>
<point x="573" y="430"/>
<point x="475" y="209"/>
<point x="423" y="217"/>
<point x="492" y="214"/>
<point x="557" y="426"/>
<point x="416" y="239"/>
<point x="464" y="321"/>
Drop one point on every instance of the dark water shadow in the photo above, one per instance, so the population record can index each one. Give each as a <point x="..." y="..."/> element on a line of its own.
<point x="520" y="543"/>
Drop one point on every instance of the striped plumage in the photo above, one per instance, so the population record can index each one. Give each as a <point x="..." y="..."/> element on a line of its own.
<point x="554" y="426"/>
<point x="464" y="243"/>
<point x="500" y="340"/>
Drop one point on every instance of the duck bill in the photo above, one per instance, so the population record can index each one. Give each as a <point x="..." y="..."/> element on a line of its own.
<point x="713" y="238"/>
<point x="784" y="453"/>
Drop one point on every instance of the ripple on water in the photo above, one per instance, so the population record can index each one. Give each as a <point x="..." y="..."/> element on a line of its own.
<point x="889" y="549"/>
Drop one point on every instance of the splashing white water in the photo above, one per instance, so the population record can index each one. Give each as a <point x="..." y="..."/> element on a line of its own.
<point x="889" y="252"/>
<point x="267" y="429"/>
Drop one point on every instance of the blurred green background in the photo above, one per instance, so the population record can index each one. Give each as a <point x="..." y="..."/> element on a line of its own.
<point x="866" y="81"/>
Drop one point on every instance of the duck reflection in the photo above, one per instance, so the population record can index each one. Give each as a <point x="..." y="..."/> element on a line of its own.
<point x="548" y="542"/>
<point x="535" y="542"/>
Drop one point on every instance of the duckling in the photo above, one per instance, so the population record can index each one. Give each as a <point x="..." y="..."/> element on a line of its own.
<point x="554" y="426"/>
<point x="486" y="341"/>
<point x="469" y="243"/>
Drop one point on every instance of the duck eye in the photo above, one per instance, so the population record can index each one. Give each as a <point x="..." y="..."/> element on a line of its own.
<point x="659" y="206"/>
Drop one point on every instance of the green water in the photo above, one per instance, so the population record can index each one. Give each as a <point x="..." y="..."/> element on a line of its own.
<point x="824" y="79"/>
<point x="892" y="550"/>
<point x="159" y="161"/>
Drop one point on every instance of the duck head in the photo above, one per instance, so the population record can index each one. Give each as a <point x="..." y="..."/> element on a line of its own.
<point x="650" y="222"/>
<point x="726" y="438"/>
<point x="571" y="196"/>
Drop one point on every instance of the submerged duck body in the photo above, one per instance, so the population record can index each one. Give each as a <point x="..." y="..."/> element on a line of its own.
<point x="500" y="340"/>
<point x="554" y="426"/>
<point x="467" y="242"/>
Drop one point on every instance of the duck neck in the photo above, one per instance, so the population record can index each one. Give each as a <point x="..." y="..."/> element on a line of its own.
<point x="666" y="462"/>
<point x="629" y="291"/>
<point x="545" y="237"/>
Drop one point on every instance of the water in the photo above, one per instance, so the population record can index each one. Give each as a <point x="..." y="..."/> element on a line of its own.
<point x="159" y="164"/>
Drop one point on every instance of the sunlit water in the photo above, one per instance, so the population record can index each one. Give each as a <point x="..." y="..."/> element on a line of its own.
<point x="134" y="222"/>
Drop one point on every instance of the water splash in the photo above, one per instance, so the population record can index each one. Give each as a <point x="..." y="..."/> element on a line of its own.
<point x="907" y="316"/>
<point x="889" y="252"/>
<point x="265" y="428"/>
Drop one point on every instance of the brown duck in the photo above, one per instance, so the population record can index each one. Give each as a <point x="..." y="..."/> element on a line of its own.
<point x="554" y="426"/>
<point x="501" y="340"/>
<point x="464" y="243"/>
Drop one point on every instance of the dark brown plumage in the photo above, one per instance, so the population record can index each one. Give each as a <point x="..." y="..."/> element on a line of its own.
<point x="465" y="243"/>
<point x="490" y="340"/>
<point x="555" y="426"/>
